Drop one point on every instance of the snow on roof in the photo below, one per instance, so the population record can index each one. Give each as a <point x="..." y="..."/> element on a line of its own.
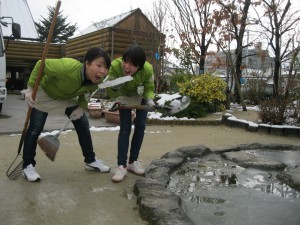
<point x="110" y="22"/>
<point x="20" y="12"/>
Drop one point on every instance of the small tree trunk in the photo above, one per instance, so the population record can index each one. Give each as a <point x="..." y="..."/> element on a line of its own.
<point x="227" y="104"/>
<point x="238" y="88"/>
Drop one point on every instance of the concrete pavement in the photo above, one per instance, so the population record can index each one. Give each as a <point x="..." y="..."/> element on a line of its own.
<point x="14" y="111"/>
<point x="69" y="195"/>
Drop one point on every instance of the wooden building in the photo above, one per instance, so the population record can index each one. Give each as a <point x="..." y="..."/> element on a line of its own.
<point x="114" y="35"/>
<point x="21" y="57"/>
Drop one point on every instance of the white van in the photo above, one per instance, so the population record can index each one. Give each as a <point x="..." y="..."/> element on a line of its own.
<point x="16" y="33"/>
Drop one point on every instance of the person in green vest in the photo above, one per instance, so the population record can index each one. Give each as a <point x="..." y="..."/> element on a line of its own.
<point x="65" y="87"/>
<point x="139" y="91"/>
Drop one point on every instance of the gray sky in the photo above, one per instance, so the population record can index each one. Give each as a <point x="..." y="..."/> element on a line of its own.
<point x="85" y="12"/>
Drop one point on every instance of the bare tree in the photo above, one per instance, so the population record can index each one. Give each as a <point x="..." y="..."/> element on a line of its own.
<point x="232" y="20"/>
<point x="280" y="33"/>
<point x="292" y="72"/>
<point x="194" y="26"/>
<point x="158" y="16"/>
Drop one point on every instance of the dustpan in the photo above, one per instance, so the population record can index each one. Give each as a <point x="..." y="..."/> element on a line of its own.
<point x="50" y="143"/>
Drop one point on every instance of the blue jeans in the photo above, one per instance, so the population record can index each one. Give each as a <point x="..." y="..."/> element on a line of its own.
<point x="36" y="126"/>
<point x="124" y="134"/>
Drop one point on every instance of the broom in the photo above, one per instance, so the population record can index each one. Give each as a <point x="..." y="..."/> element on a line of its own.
<point x="14" y="173"/>
<point x="50" y="143"/>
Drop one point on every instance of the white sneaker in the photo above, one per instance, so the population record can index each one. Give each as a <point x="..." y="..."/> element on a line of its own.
<point x="120" y="173"/>
<point x="97" y="165"/>
<point x="30" y="174"/>
<point x="136" y="167"/>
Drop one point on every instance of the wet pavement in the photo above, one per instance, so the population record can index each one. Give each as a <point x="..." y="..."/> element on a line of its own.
<point x="230" y="186"/>
<point x="221" y="191"/>
<point x="67" y="193"/>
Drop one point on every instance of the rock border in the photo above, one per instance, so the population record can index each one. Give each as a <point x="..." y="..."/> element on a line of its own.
<point x="231" y="121"/>
<point x="161" y="206"/>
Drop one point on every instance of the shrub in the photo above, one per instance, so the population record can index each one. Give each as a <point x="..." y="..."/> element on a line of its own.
<point x="177" y="79"/>
<point x="205" y="88"/>
<point x="207" y="93"/>
<point x="273" y="111"/>
<point x="194" y="110"/>
<point x="256" y="90"/>
<point x="282" y="110"/>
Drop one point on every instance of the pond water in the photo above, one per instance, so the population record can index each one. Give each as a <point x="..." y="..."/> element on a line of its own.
<point x="218" y="191"/>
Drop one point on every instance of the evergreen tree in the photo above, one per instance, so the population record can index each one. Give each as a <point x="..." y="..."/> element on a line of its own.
<point x="62" y="30"/>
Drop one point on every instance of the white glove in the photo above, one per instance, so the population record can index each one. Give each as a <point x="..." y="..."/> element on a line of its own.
<point x="150" y="102"/>
<point x="77" y="114"/>
<point x="28" y="96"/>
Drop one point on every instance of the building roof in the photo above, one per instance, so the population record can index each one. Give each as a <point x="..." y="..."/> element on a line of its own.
<point x="110" y="22"/>
<point x="20" y="12"/>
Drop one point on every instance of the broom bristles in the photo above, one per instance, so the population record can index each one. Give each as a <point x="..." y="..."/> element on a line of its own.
<point x="48" y="148"/>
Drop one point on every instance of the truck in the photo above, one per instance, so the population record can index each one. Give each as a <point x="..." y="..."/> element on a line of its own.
<point x="3" y="91"/>
<point x="16" y="34"/>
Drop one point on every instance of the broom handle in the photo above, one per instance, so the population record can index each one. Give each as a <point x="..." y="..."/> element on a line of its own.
<point x="37" y="81"/>
<point x="145" y="107"/>
<point x="65" y="126"/>
<point x="46" y="50"/>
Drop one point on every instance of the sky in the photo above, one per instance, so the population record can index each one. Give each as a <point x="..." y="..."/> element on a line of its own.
<point x="86" y="12"/>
